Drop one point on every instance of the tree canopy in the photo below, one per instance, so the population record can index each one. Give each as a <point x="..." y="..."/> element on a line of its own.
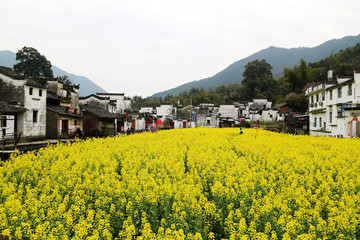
<point x="258" y="80"/>
<point x="32" y="64"/>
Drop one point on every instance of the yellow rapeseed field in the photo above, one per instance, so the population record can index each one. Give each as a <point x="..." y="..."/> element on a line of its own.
<point x="185" y="184"/>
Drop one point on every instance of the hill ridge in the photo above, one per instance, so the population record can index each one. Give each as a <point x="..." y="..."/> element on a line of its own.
<point x="87" y="87"/>
<point x="278" y="57"/>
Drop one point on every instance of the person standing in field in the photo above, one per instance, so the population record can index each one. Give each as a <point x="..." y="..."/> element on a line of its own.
<point x="241" y="131"/>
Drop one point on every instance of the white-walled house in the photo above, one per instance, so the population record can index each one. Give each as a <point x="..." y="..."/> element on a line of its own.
<point x="165" y="112"/>
<point x="206" y="115"/>
<point x="269" y="115"/>
<point x="227" y="115"/>
<point x="334" y="106"/>
<point x="146" y="110"/>
<point x="122" y="103"/>
<point x="254" y="110"/>
<point x="95" y="100"/>
<point x="28" y="94"/>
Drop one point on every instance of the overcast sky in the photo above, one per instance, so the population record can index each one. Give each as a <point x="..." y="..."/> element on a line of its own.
<point x="141" y="47"/>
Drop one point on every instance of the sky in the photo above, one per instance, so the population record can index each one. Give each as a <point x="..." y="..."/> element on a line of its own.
<point x="141" y="47"/>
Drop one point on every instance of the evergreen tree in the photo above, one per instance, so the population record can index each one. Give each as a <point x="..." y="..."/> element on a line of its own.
<point x="32" y="64"/>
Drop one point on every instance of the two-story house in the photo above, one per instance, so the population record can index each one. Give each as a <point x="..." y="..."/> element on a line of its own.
<point x="63" y="112"/>
<point x="29" y="97"/>
<point x="334" y="106"/>
<point x="123" y="103"/>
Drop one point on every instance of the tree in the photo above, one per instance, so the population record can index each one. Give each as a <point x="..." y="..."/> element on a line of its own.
<point x="295" y="78"/>
<point x="258" y="79"/>
<point x="64" y="80"/>
<point x="32" y="64"/>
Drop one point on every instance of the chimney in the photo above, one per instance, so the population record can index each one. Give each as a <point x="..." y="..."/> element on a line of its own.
<point x="330" y="75"/>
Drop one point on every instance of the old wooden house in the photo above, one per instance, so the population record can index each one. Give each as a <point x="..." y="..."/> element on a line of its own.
<point x="63" y="111"/>
<point x="98" y="121"/>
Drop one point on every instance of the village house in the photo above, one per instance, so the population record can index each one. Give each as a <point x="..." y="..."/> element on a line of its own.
<point x="8" y="125"/>
<point x="63" y="111"/>
<point x="98" y="121"/>
<point x="227" y="115"/>
<point x="282" y="110"/>
<point x="23" y="105"/>
<point x="100" y="101"/>
<point x="260" y="109"/>
<point x="123" y="104"/>
<point x="206" y="115"/>
<point x="182" y="117"/>
<point x="334" y="106"/>
<point x="242" y="110"/>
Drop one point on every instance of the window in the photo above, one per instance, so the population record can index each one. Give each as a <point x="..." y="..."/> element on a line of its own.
<point x="317" y="97"/>
<point x="31" y="91"/>
<point x="75" y="122"/>
<point x="35" y="115"/>
<point x="314" y="122"/>
<point x="339" y="92"/>
<point x="312" y="99"/>
<point x="320" y="122"/>
<point x="323" y="96"/>
<point x="330" y="117"/>
<point x="40" y="92"/>
<point x="330" y="93"/>
<point x="3" y="121"/>
<point x="349" y="90"/>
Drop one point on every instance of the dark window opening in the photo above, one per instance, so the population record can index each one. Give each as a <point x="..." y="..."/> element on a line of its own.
<point x="35" y="115"/>
<point x="3" y="121"/>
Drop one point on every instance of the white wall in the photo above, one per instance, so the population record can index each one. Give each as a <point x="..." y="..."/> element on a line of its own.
<point x="15" y="82"/>
<point x="164" y="111"/>
<point x="38" y="103"/>
<point x="229" y="111"/>
<point x="10" y="125"/>
<point x="140" y="124"/>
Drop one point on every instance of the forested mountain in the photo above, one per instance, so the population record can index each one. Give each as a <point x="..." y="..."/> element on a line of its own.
<point x="289" y="88"/>
<point x="342" y="63"/>
<point x="278" y="58"/>
<point x="87" y="87"/>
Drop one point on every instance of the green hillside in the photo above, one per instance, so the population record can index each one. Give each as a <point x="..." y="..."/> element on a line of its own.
<point x="279" y="58"/>
<point x="342" y="63"/>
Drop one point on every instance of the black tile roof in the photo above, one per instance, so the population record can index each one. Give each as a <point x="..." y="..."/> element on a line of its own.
<point x="98" y="111"/>
<point x="7" y="108"/>
<point x="36" y="83"/>
<point x="64" y="111"/>
<point x="11" y="73"/>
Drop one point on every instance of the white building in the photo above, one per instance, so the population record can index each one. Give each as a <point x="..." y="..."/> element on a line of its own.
<point x="30" y="94"/>
<point x="334" y="106"/>
<point x="95" y="100"/>
<point x="122" y="103"/>
<point x="259" y="109"/>
<point x="206" y="115"/>
<point x="227" y="115"/>
<point x="146" y="110"/>
<point x="165" y="112"/>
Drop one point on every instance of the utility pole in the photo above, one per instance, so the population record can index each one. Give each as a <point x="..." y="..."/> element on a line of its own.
<point x="190" y="110"/>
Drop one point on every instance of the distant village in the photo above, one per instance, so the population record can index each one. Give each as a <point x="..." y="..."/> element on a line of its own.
<point x="45" y="108"/>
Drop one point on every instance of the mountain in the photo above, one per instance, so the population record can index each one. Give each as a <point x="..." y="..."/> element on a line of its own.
<point x="87" y="87"/>
<point x="279" y="58"/>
